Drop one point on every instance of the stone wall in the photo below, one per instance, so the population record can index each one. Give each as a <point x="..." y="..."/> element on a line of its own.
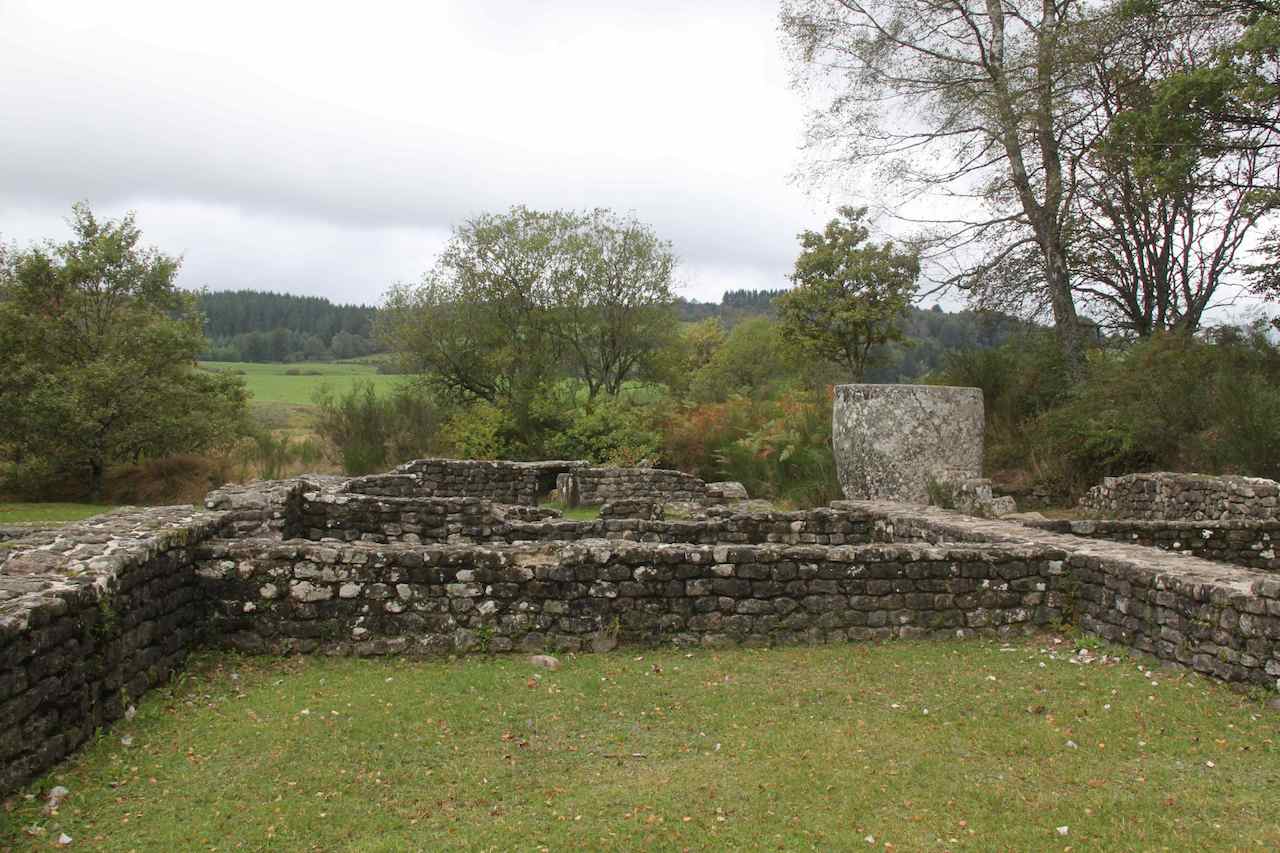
<point x="498" y="481"/>
<point x="369" y="518"/>
<point x="808" y="527"/>
<point x="1164" y="496"/>
<point x="92" y="615"/>
<point x="594" y="486"/>
<point x="1255" y="544"/>
<point x="524" y="483"/>
<point x="892" y="441"/>
<point x="362" y="599"/>
<point x="267" y="507"/>
<point x="1215" y="618"/>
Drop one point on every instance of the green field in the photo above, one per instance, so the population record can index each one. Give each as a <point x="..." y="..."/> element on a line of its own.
<point x="272" y="382"/>
<point x="943" y="746"/>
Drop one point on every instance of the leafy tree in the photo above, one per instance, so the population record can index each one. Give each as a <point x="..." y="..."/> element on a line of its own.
<point x="849" y="296"/>
<point x="475" y="326"/>
<point x="965" y="100"/>
<point x="612" y="306"/>
<point x="1174" y="174"/>
<point x="519" y="298"/>
<point x="753" y="360"/>
<point x="98" y="349"/>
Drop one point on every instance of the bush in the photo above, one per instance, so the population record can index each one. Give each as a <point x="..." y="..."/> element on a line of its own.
<point x="1138" y="408"/>
<point x="609" y="432"/>
<point x="788" y="455"/>
<point x="480" y="431"/>
<point x="1209" y="404"/>
<point x="776" y="448"/>
<point x="184" y="478"/>
<point x="1020" y="380"/>
<point x="366" y="433"/>
<point x="39" y="478"/>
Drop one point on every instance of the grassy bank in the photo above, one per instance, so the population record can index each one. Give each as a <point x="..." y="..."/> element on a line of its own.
<point x="908" y="746"/>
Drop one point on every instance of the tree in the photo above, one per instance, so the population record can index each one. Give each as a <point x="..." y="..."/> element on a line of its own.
<point x="752" y="360"/>
<point x="516" y="300"/>
<point x="613" y="309"/>
<point x="1176" y="168"/>
<point x="98" y="349"/>
<point x="966" y="100"/>
<point x="849" y="296"/>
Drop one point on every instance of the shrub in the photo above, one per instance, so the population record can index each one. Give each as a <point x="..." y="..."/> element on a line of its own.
<point x="184" y="478"/>
<point x="788" y="455"/>
<point x="366" y="433"/>
<point x="776" y="448"/>
<point x="1174" y="402"/>
<point x="481" y="431"/>
<point x="269" y="455"/>
<point x="608" y="431"/>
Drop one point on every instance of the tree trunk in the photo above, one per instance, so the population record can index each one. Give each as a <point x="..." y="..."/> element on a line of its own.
<point x="1066" y="322"/>
<point x="97" y="471"/>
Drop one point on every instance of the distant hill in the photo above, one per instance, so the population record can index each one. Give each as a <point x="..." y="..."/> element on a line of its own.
<point x="253" y="325"/>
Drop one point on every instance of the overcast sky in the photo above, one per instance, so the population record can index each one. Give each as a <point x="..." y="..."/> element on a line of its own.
<point x="328" y="148"/>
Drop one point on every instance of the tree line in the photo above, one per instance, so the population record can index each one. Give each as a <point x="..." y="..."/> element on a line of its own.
<point x="250" y="325"/>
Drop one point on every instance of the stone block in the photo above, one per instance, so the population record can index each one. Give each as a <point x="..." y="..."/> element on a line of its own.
<point x="891" y="441"/>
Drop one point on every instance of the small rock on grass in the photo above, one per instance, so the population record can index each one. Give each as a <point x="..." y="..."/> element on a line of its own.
<point x="54" y="799"/>
<point x="545" y="661"/>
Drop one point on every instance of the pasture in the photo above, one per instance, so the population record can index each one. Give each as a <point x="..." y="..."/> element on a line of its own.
<point x="296" y="384"/>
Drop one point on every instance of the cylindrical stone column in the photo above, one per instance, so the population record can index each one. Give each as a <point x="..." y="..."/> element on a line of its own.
<point x="890" y="441"/>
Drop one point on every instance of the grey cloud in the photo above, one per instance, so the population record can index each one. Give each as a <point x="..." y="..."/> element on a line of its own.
<point x="289" y="142"/>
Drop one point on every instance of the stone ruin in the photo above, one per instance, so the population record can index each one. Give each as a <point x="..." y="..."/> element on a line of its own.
<point x="456" y="557"/>
<point x="1164" y="496"/>
<point x="914" y="443"/>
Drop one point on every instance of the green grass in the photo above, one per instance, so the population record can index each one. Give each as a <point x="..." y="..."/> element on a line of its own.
<point x="271" y="383"/>
<point x="577" y="513"/>
<point x="15" y="512"/>
<point x="903" y="746"/>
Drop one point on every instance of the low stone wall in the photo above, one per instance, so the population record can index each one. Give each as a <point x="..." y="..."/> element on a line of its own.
<point x="1255" y="544"/>
<point x="267" y="507"/>
<point x="623" y="508"/>
<point x="368" y="518"/>
<point x="1215" y="618"/>
<point x="92" y="615"/>
<point x="304" y="597"/>
<point x="497" y="481"/>
<point x="1184" y="497"/>
<point x="594" y="486"/>
<point x="809" y="527"/>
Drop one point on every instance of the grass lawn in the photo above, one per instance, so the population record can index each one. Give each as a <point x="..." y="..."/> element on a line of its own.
<point x="13" y="512"/>
<point x="902" y="746"/>
<point x="272" y="383"/>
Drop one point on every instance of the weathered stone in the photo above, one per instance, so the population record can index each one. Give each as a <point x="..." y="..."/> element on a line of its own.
<point x="854" y="571"/>
<point x="892" y="441"/>
<point x="1166" y="496"/>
